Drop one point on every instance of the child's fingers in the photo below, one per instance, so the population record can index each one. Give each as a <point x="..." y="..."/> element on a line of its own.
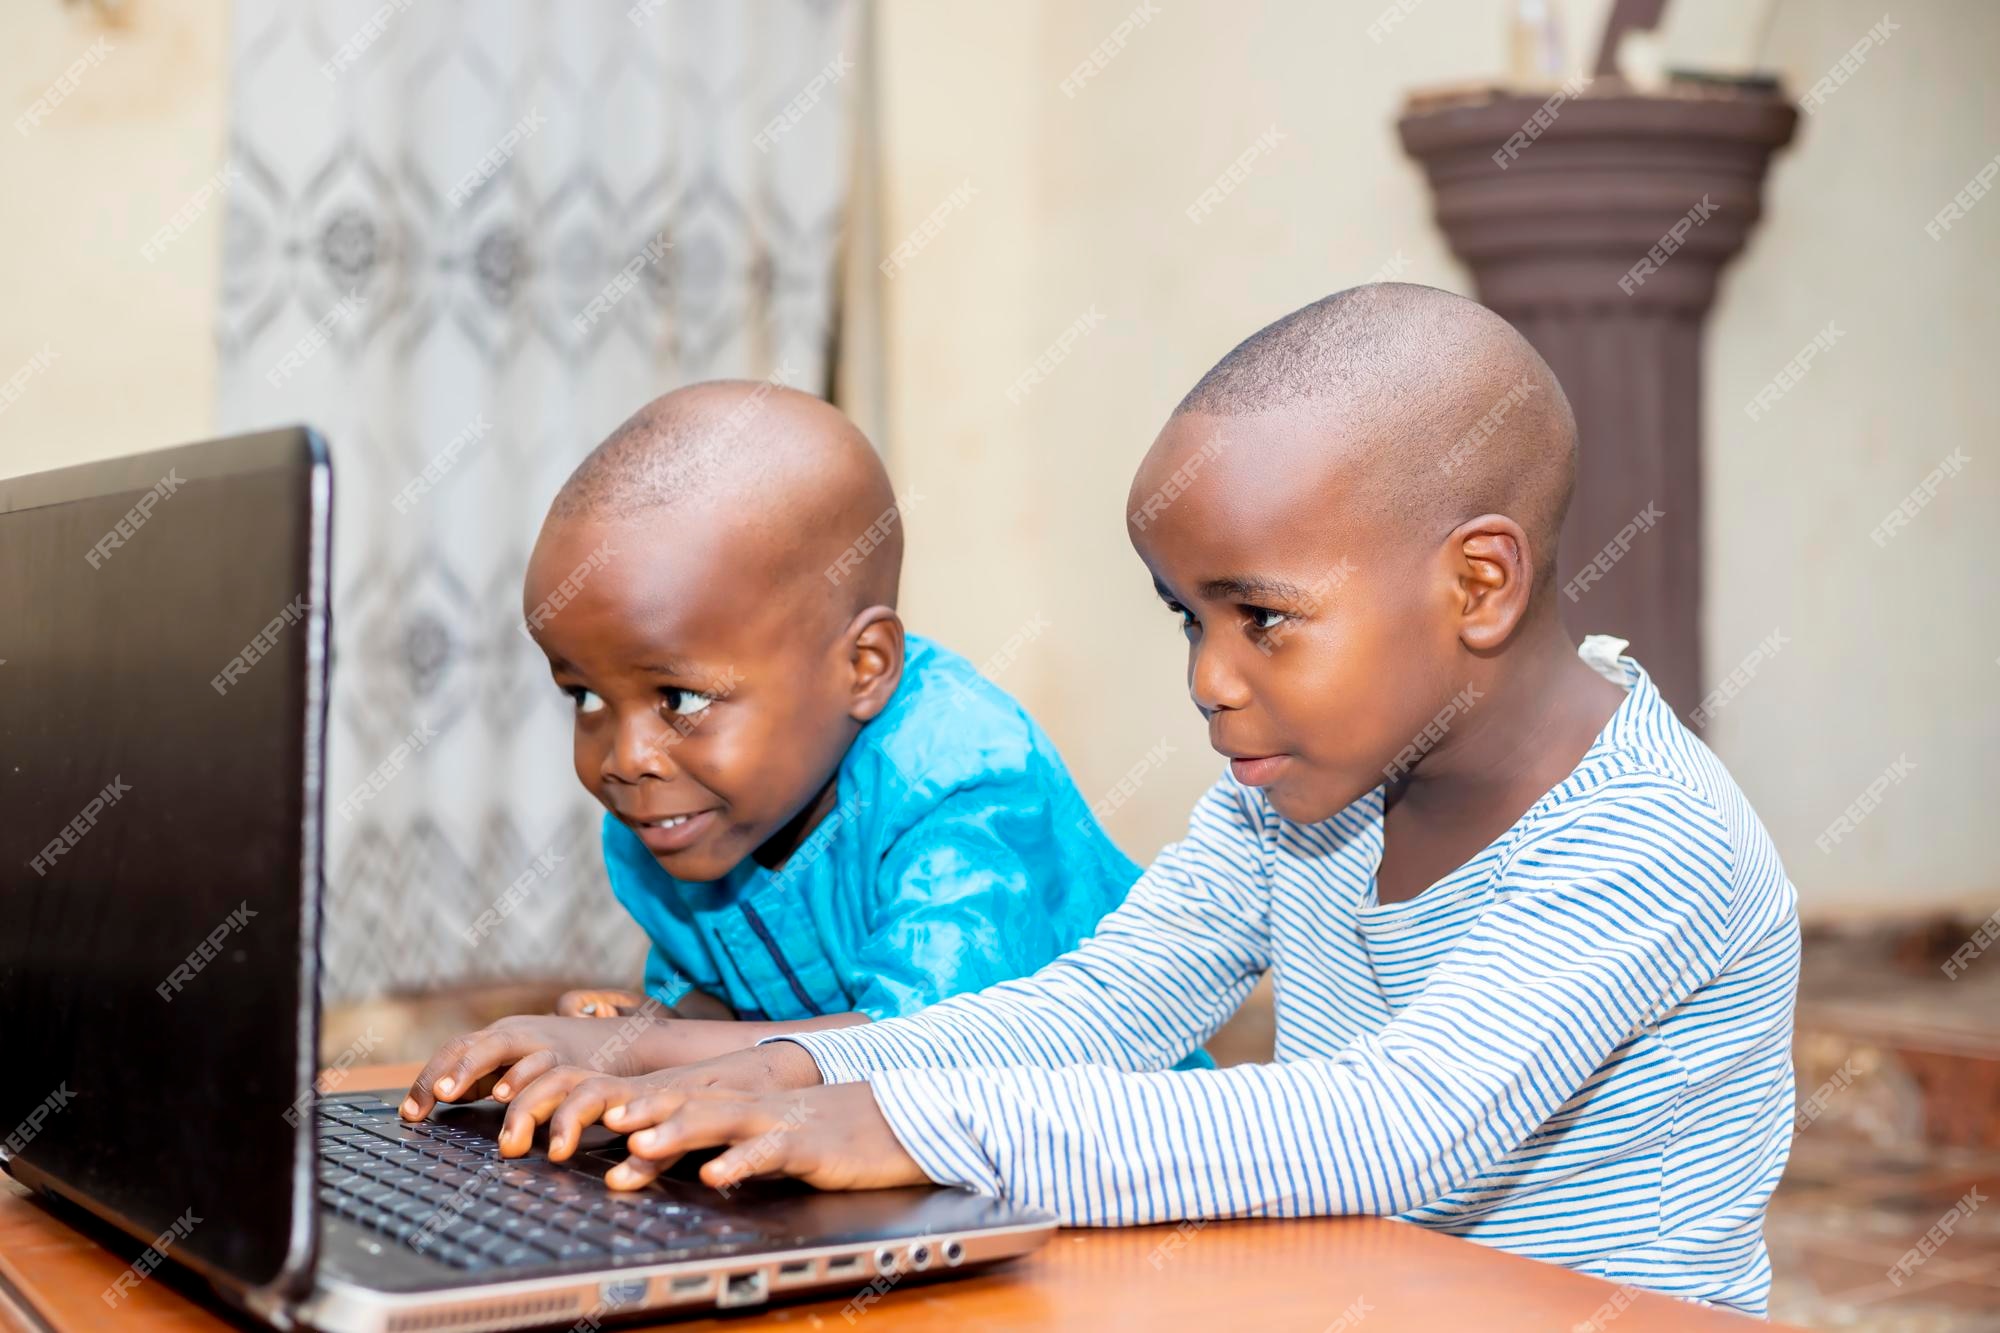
<point x="705" y="1122"/>
<point x="582" y="1004"/>
<point x="581" y="1109"/>
<point x="598" y="1004"/>
<point x="525" y="1071"/>
<point x="485" y="1052"/>
<point x="461" y="1062"/>
<point x="644" y="1111"/>
<point x="422" y="1089"/>
<point x="773" y="1152"/>
<point x="699" y="1123"/>
<point x="533" y="1103"/>
<point x="635" y="1173"/>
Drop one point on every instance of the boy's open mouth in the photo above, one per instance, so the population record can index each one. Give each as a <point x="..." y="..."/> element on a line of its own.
<point x="671" y="833"/>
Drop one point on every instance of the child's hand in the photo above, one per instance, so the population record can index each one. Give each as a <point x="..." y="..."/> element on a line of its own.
<point x="832" y="1137"/>
<point x="523" y="1048"/>
<point x="570" y="1098"/>
<point x="599" y="1004"/>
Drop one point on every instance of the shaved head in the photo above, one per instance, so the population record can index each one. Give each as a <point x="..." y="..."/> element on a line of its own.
<point x="1354" y="516"/>
<point x="715" y="590"/>
<point x="1435" y="409"/>
<point x="800" y="478"/>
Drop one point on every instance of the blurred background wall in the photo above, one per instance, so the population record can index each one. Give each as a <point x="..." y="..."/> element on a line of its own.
<point x="1075" y="217"/>
<point x="1080" y="208"/>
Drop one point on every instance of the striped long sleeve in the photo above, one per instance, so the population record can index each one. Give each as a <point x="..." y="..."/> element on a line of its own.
<point x="1589" y="945"/>
<point x="1576" y="1046"/>
<point x="1163" y="971"/>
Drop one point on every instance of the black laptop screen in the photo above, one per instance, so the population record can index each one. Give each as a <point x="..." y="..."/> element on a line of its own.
<point x="160" y="651"/>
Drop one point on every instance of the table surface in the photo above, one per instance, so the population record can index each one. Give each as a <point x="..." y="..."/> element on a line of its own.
<point x="1305" y="1274"/>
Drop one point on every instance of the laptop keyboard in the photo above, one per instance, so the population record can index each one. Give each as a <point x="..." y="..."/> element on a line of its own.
<point x="447" y="1193"/>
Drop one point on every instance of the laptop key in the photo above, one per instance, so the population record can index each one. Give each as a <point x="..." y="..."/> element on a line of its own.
<point x="476" y="1237"/>
<point x="526" y="1204"/>
<point x="410" y="1208"/>
<point x="449" y="1252"/>
<point x="367" y="1214"/>
<point x="517" y="1226"/>
<point x="574" y="1248"/>
<point x="564" y="1220"/>
<point x="399" y="1134"/>
<point x="399" y="1228"/>
<point x="539" y="1236"/>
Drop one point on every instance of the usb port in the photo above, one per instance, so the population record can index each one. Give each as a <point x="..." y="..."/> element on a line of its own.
<point x="743" y="1288"/>
<point x="691" y="1286"/>
<point x="846" y="1265"/>
<point x="618" y="1295"/>
<point x="799" y="1270"/>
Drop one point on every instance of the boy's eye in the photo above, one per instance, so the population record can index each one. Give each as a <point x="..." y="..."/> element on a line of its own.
<point x="585" y="700"/>
<point x="685" y="702"/>
<point x="1263" y="618"/>
<point x="1187" y="616"/>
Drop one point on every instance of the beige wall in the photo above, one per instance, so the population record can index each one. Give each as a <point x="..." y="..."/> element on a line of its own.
<point x="129" y="342"/>
<point x="1080" y="208"/>
<point x="1893" y="650"/>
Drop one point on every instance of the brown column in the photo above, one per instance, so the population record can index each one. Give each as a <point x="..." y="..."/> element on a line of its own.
<point x="1583" y="196"/>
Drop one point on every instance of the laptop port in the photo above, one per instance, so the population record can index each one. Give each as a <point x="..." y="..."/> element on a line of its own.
<point x="683" y="1287"/>
<point x="743" y="1288"/>
<point x="954" y="1253"/>
<point x="885" y="1260"/>
<point x="920" y="1256"/>
<point x="617" y="1295"/>
<point x="791" y="1274"/>
<point x="844" y="1265"/>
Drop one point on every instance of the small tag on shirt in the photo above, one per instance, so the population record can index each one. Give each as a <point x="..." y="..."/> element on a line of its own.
<point x="1600" y="652"/>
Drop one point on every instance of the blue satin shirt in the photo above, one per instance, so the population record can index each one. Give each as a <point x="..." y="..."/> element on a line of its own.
<point x="958" y="854"/>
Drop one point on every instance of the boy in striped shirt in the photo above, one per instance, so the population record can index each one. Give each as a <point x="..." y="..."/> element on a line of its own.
<point x="1534" y="954"/>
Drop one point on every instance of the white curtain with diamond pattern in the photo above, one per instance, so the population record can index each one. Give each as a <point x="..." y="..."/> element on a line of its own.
<point x="464" y="241"/>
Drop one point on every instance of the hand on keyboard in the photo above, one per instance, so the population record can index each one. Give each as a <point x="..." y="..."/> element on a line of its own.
<point x="569" y="1098"/>
<point x="522" y="1049"/>
<point x="834" y="1137"/>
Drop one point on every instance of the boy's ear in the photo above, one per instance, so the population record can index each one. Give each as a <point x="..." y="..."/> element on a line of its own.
<point x="875" y="657"/>
<point x="1494" y="570"/>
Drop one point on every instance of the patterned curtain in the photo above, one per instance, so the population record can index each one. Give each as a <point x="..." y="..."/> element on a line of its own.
<point x="464" y="241"/>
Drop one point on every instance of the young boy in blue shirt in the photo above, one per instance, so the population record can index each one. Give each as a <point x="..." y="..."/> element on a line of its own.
<point x="818" y="820"/>
<point x="1534" y="953"/>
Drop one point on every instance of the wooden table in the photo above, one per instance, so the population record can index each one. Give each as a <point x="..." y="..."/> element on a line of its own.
<point x="1378" y="1275"/>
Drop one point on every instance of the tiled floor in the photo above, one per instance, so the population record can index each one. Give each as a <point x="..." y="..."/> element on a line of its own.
<point x="1846" y="1215"/>
<point x="1903" y="1134"/>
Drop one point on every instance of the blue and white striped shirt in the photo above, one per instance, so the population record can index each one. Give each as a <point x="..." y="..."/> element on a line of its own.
<point x="1577" y="1046"/>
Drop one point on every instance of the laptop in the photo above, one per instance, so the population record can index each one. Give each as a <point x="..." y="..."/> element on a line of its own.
<point x="164" y="654"/>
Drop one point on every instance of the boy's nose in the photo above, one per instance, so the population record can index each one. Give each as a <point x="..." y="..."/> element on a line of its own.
<point x="641" y="748"/>
<point x="1213" y="683"/>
